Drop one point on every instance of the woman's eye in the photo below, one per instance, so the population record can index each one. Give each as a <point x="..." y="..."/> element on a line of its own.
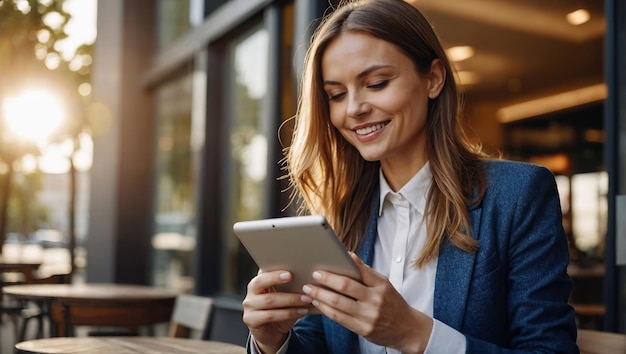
<point x="378" y="85"/>
<point x="336" y="97"/>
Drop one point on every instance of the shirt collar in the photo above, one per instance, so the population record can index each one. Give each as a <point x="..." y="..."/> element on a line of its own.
<point x="414" y="190"/>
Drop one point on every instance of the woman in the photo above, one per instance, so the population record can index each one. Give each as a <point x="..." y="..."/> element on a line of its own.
<point x="458" y="253"/>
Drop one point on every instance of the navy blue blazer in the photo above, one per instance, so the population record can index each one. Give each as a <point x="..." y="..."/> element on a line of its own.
<point x="511" y="295"/>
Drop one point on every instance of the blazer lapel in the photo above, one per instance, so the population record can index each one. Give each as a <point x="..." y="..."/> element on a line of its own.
<point x="454" y="272"/>
<point x="366" y="247"/>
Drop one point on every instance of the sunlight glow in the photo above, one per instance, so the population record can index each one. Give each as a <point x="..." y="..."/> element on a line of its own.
<point x="81" y="28"/>
<point x="83" y="157"/>
<point x="84" y="89"/>
<point x="33" y="115"/>
<point x="23" y="6"/>
<point x="54" y="160"/>
<point x="28" y="163"/>
<point x="52" y="60"/>
<point x="55" y="157"/>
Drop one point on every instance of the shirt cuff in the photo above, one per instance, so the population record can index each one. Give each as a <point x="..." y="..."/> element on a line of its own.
<point x="445" y="339"/>
<point x="282" y="350"/>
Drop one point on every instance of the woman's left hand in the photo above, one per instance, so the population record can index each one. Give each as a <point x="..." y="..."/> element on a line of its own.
<point x="372" y="309"/>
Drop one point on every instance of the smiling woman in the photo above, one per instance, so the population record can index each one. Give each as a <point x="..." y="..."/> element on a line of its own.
<point x="33" y="115"/>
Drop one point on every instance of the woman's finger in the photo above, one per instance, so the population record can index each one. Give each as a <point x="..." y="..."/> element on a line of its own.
<point x="264" y="281"/>
<point x="276" y="300"/>
<point x="286" y="317"/>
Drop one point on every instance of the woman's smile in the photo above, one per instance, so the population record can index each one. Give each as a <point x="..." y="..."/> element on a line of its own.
<point x="369" y="129"/>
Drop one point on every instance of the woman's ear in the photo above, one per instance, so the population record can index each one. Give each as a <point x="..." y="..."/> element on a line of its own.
<point x="436" y="78"/>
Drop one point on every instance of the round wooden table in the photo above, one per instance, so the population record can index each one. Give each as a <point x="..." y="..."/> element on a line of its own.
<point x="89" y="292"/>
<point x="125" y="345"/>
<point x="120" y="305"/>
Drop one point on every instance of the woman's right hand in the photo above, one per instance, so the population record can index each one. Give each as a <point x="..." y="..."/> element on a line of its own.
<point x="270" y="315"/>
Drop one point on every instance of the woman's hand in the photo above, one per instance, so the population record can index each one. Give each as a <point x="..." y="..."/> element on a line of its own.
<point x="270" y="315"/>
<point x="372" y="309"/>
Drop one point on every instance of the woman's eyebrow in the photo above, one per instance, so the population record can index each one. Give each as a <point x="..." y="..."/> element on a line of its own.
<point x="360" y="75"/>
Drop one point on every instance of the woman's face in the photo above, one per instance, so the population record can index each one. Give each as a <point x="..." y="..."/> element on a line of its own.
<point x="377" y="99"/>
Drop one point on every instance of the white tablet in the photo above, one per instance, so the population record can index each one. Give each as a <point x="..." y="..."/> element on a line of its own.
<point x="299" y="244"/>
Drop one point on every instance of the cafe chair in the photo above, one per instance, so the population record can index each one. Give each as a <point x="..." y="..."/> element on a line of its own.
<point x="226" y="322"/>
<point x="31" y="310"/>
<point x="37" y="311"/>
<point x="128" y="316"/>
<point x="598" y="342"/>
<point x="190" y="316"/>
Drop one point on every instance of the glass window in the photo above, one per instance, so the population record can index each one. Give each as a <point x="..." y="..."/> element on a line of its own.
<point x="212" y="5"/>
<point x="173" y="20"/>
<point x="174" y="208"/>
<point x="589" y="212"/>
<point x="247" y="148"/>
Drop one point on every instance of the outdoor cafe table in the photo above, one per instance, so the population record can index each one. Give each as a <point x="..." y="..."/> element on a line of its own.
<point x="99" y="304"/>
<point x="125" y="345"/>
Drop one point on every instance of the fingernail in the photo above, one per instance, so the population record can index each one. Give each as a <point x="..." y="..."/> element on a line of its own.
<point x="315" y="303"/>
<point x="284" y="276"/>
<point x="307" y="289"/>
<point x="306" y="299"/>
<point x="317" y="275"/>
<point x="302" y="311"/>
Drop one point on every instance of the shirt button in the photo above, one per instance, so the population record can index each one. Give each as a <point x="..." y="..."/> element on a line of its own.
<point x="398" y="259"/>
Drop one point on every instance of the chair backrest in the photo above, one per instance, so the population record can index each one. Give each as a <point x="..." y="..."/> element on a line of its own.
<point x="596" y="342"/>
<point x="191" y="314"/>
<point x="226" y="322"/>
<point x="53" y="279"/>
<point x="129" y="314"/>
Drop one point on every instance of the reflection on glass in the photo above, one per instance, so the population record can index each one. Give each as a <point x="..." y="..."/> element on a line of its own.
<point x="562" y="184"/>
<point x="174" y="231"/>
<point x="589" y="210"/>
<point x="247" y="168"/>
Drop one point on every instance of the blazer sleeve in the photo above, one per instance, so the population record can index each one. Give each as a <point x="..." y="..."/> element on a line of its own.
<point x="535" y="256"/>
<point x="308" y="336"/>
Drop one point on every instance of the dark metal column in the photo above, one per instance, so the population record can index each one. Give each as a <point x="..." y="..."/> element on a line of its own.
<point x="615" y="153"/>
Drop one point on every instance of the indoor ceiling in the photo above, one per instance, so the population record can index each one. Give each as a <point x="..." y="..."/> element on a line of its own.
<point x="523" y="49"/>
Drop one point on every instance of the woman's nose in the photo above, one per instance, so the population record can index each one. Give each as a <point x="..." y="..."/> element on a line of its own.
<point x="357" y="106"/>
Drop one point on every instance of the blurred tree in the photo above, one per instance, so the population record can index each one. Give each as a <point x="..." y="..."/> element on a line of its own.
<point x="29" y="57"/>
<point x="26" y="213"/>
<point x="75" y="79"/>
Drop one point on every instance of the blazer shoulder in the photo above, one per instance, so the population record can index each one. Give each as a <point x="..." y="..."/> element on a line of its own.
<point x="512" y="177"/>
<point x="506" y="169"/>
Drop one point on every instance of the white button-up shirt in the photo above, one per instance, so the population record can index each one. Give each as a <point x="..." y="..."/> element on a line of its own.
<point x="401" y="237"/>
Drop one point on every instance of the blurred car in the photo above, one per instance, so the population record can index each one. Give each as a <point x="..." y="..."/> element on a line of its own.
<point x="49" y="238"/>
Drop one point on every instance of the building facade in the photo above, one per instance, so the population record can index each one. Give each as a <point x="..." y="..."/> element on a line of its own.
<point x="193" y="105"/>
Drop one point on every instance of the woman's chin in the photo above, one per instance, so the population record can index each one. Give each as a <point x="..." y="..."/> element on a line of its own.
<point x="369" y="156"/>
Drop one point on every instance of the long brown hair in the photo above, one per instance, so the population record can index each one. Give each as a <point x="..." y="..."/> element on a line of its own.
<point x="328" y="176"/>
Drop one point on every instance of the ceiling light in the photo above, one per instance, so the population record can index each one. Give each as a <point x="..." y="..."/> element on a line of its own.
<point x="466" y="78"/>
<point x="460" y="53"/>
<point x="578" y="17"/>
<point x="553" y="103"/>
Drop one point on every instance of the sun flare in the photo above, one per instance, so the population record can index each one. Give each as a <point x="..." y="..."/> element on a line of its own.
<point x="33" y="115"/>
